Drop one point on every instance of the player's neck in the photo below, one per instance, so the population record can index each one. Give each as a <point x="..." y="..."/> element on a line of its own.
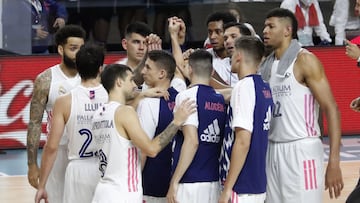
<point x="132" y="63"/>
<point x="221" y="53"/>
<point x="163" y="85"/>
<point x="69" y="72"/>
<point x="93" y="82"/>
<point x="117" y="97"/>
<point x="200" y="81"/>
<point x="280" y="51"/>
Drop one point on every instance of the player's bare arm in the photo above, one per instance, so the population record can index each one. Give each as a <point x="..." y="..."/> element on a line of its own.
<point x="238" y="156"/>
<point x="37" y="108"/>
<point x="130" y="126"/>
<point x="187" y="154"/>
<point x="310" y="70"/>
<point x="61" y="111"/>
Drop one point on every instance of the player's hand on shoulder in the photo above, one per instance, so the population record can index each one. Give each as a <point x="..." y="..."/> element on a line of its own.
<point x="184" y="110"/>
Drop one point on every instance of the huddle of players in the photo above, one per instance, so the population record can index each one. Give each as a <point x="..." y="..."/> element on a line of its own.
<point x="168" y="150"/>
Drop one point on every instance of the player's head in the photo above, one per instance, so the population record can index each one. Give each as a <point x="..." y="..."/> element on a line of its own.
<point x="159" y="66"/>
<point x="232" y="31"/>
<point x="247" y="48"/>
<point x="68" y="40"/>
<point x="200" y="63"/>
<point x="215" y="23"/>
<point x="135" y="40"/>
<point x="89" y="60"/>
<point x="118" y="79"/>
<point x="280" y="25"/>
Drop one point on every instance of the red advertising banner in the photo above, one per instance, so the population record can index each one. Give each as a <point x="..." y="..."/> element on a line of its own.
<point x="17" y="75"/>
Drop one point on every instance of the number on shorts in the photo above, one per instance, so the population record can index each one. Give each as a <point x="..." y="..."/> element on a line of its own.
<point x="86" y="144"/>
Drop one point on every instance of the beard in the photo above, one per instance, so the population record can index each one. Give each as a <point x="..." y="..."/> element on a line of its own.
<point x="70" y="63"/>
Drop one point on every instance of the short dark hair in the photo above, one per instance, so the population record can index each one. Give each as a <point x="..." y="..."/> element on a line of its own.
<point x="201" y="62"/>
<point x="253" y="46"/>
<point x="223" y="16"/>
<point x="286" y="14"/>
<point x="243" y="29"/>
<point x="62" y="35"/>
<point x="137" y="27"/>
<point x="111" y="73"/>
<point x="89" y="59"/>
<point x="164" y="60"/>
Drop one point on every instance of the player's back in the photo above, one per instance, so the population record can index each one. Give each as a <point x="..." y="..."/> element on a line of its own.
<point x="84" y="102"/>
<point x="119" y="160"/>
<point x="210" y="123"/>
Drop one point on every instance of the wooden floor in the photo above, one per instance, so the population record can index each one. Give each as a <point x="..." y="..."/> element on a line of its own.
<point x="16" y="188"/>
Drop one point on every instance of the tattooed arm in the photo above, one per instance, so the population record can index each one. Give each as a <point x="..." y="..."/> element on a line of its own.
<point x="37" y="108"/>
<point x="130" y="128"/>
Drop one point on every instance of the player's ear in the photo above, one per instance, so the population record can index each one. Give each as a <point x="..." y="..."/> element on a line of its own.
<point x="60" y="50"/>
<point x="124" y="43"/>
<point x="162" y="74"/>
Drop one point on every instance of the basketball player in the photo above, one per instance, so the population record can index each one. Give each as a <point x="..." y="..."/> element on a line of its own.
<point x="299" y="88"/>
<point x="119" y="136"/>
<point x="72" y="114"/>
<point x="250" y="113"/>
<point x="49" y="85"/>
<point x="154" y="115"/>
<point x="196" y="150"/>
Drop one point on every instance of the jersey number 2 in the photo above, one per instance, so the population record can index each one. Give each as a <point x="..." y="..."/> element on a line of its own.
<point x="86" y="144"/>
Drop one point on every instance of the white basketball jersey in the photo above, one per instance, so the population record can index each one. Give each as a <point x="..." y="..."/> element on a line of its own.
<point x="84" y="102"/>
<point x="60" y="84"/>
<point x="296" y="112"/>
<point x="119" y="159"/>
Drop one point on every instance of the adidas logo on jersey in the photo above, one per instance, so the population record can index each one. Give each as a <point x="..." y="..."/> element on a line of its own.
<point x="211" y="133"/>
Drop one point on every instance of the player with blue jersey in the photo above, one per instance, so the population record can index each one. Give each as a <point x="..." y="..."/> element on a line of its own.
<point x="154" y="115"/>
<point x="250" y="106"/>
<point x="196" y="150"/>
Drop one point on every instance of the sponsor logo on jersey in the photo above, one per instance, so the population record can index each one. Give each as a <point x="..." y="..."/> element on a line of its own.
<point x="211" y="133"/>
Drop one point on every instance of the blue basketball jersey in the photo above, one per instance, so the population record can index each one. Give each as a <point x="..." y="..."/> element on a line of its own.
<point x="250" y="108"/>
<point x="210" y="122"/>
<point x="157" y="171"/>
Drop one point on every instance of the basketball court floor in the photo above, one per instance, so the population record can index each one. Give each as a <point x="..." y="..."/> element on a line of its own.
<point x="15" y="188"/>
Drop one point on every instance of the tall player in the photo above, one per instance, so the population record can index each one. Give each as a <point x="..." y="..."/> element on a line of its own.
<point x="299" y="88"/>
<point x="49" y="85"/>
<point x="119" y="135"/>
<point x="72" y="114"/>
<point x="251" y="104"/>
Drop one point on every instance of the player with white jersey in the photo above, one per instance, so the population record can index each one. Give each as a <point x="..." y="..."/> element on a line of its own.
<point x="244" y="151"/>
<point x="119" y="138"/>
<point x="299" y="88"/>
<point x="196" y="149"/>
<point x="49" y="85"/>
<point x="72" y="114"/>
<point x="119" y="160"/>
<point x="221" y="61"/>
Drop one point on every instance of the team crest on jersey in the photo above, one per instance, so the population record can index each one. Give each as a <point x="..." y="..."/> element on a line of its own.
<point x="92" y="94"/>
<point x="62" y="90"/>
